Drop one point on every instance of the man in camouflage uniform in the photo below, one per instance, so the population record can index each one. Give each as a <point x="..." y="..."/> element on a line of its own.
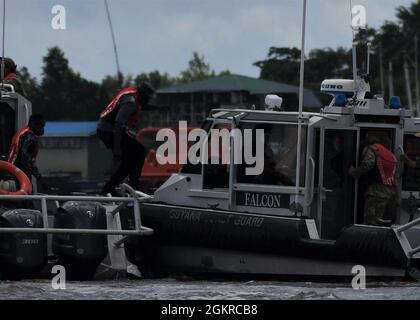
<point x="11" y="76"/>
<point x="381" y="197"/>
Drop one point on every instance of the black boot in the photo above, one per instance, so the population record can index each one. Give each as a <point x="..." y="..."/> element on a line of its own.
<point x="109" y="189"/>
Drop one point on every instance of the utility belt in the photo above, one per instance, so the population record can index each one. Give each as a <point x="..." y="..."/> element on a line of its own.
<point x="131" y="132"/>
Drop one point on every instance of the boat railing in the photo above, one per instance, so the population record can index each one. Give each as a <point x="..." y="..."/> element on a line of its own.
<point x="10" y="88"/>
<point x="311" y="183"/>
<point x="401" y="229"/>
<point x="134" y="197"/>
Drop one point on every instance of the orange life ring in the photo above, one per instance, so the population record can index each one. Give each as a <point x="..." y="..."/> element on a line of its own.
<point x="24" y="182"/>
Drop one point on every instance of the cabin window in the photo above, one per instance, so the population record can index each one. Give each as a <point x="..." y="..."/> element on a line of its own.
<point x="7" y="127"/>
<point x="411" y="176"/>
<point x="217" y="168"/>
<point x="191" y="168"/>
<point x="339" y="156"/>
<point x="280" y="153"/>
<point x="383" y="136"/>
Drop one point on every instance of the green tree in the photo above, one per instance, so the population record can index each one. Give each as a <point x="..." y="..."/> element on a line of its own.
<point x="328" y="63"/>
<point x="66" y="95"/>
<point x="197" y="69"/>
<point x="224" y="73"/>
<point x="31" y="85"/>
<point x="111" y="85"/>
<point x="282" y="64"/>
<point x="157" y="80"/>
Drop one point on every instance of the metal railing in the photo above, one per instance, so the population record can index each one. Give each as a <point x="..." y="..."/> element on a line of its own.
<point x="406" y="227"/>
<point x="10" y="87"/>
<point x="311" y="183"/>
<point x="135" y="197"/>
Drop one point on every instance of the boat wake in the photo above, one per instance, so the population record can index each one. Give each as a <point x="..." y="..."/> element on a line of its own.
<point x="171" y="289"/>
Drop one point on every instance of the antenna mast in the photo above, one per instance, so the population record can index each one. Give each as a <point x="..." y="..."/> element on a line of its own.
<point x="381" y="69"/>
<point x="354" y="50"/>
<point x="3" y="41"/>
<point x="301" y="96"/>
<point x="416" y="74"/>
<point x="114" y="43"/>
<point x="369" y="46"/>
<point x="408" y="82"/>
<point x="354" y="56"/>
<point x="390" y="79"/>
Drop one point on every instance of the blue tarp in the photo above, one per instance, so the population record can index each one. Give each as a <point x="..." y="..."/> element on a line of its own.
<point x="70" y="129"/>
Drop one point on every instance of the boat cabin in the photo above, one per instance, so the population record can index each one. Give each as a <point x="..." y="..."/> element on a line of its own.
<point x="15" y="111"/>
<point x="331" y="142"/>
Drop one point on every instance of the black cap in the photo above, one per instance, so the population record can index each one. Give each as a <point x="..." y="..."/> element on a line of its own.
<point x="146" y="88"/>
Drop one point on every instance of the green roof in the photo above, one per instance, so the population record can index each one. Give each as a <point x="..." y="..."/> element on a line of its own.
<point x="236" y="82"/>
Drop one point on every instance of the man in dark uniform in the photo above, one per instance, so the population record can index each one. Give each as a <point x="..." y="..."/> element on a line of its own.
<point x="378" y="165"/>
<point x="117" y="130"/>
<point x="11" y="76"/>
<point x="25" y="146"/>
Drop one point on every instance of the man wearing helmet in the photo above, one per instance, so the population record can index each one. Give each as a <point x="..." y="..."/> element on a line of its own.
<point x="11" y="77"/>
<point x="116" y="129"/>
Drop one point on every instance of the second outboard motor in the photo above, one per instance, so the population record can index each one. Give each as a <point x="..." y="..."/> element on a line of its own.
<point x="80" y="254"/>
<point x="22" y="255"/>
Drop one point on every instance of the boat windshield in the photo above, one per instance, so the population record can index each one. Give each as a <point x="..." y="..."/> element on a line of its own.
<point x="411" y="176"/>
<point x="280" y="152"/>
<point x="7" y="127"/>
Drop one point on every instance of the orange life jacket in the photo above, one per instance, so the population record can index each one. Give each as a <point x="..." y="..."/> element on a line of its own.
<point x="14" y="147"/>
<point x="387" y="165"/>
<point x="10" y="75"/>
<point x="114" y="103"/>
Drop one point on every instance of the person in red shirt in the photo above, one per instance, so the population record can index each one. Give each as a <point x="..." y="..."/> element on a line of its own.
<point x="25" y="146"/>
<point x="117" y="130"/>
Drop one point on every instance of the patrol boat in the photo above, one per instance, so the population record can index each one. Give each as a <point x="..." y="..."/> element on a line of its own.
<point x="215" y="220"/>
<point x="212" y="219"/>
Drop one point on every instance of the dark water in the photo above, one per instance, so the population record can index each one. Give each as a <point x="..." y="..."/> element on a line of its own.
<point x="183" y="290"/>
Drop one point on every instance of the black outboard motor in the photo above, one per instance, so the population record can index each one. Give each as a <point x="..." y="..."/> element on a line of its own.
<point x="22" y="255"/>
<point x="80" y="254"/>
